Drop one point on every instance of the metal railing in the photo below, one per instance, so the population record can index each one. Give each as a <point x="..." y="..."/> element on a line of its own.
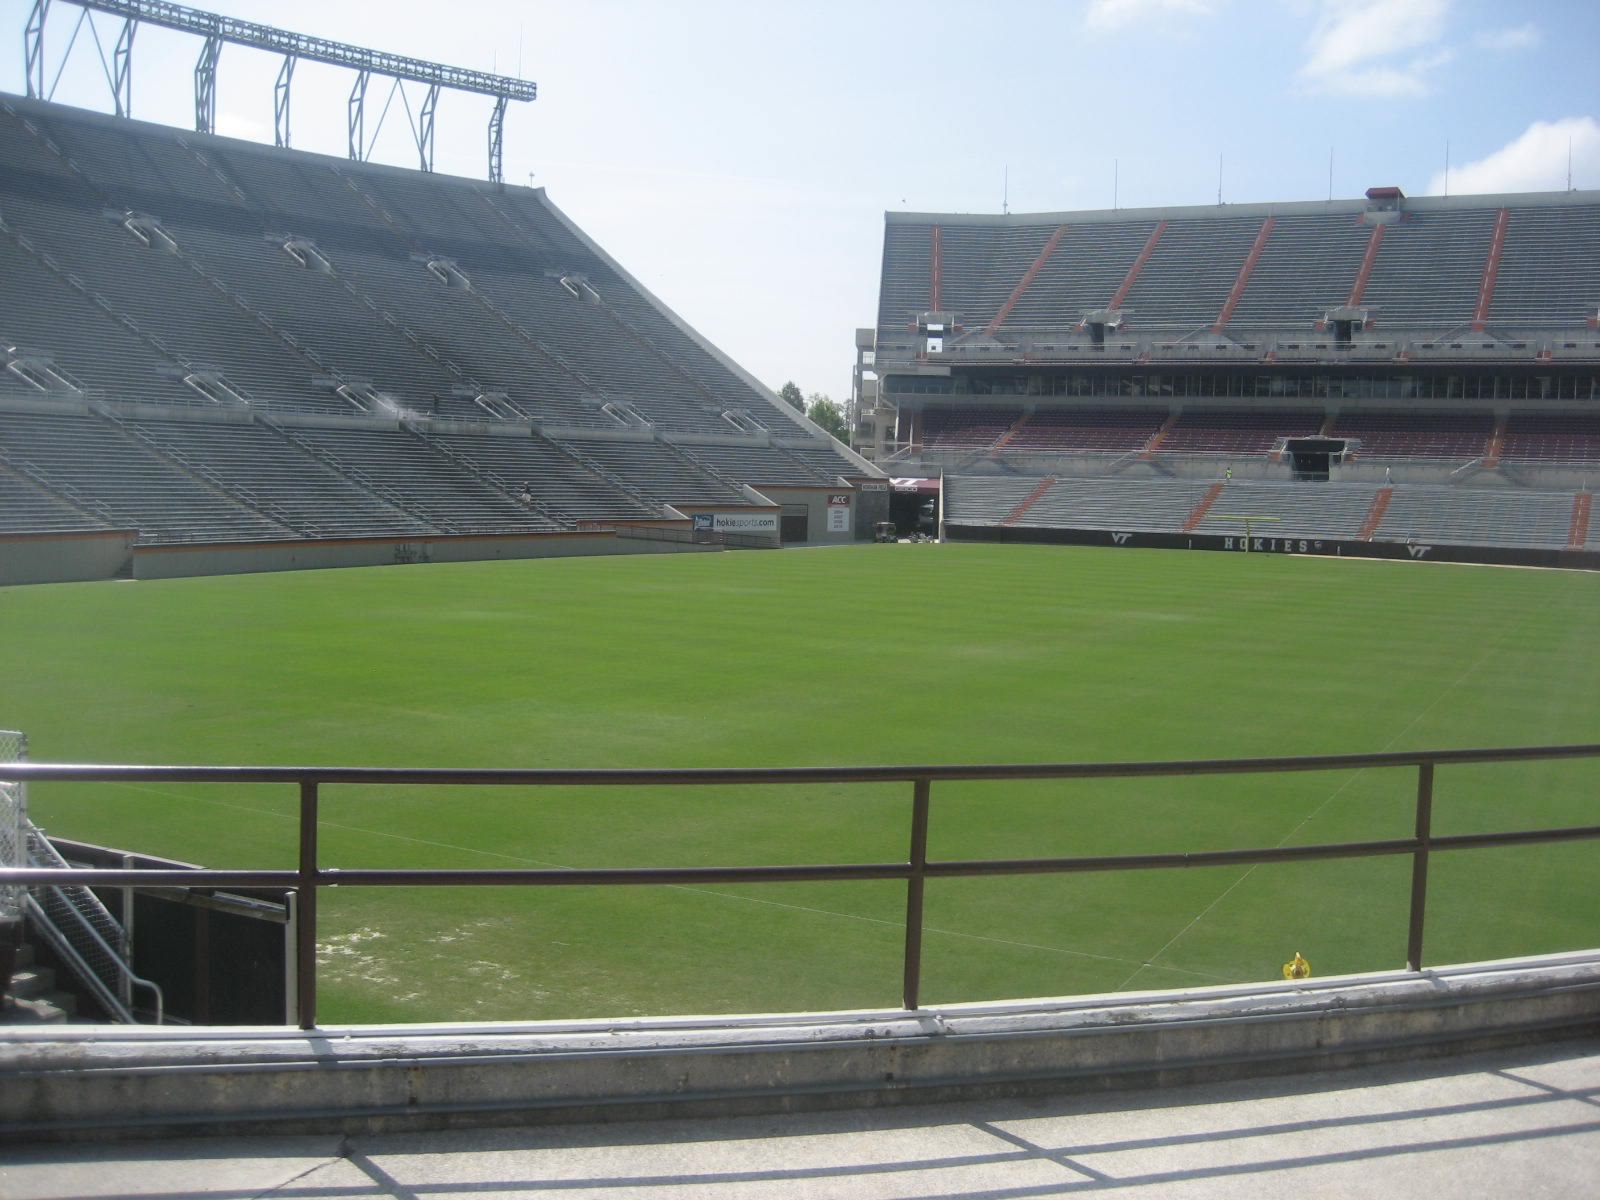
<point x="310" y="875"/>
<point x="90" y="942"/>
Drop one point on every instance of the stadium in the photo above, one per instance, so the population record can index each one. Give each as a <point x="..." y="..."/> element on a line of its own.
<point x="1355" y="375"/>
<point x="588" y="767"/>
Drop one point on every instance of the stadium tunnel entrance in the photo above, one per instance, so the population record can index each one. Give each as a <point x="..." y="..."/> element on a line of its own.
<point x="914" y="506"/>
<point x="1309" y="457"/>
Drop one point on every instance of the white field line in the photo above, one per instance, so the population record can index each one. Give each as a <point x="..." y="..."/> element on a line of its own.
<point x="1488" y="653"/>
<point x="535" y="862"/>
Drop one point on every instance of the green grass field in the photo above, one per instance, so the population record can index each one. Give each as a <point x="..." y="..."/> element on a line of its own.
<point x="908" y="654"/>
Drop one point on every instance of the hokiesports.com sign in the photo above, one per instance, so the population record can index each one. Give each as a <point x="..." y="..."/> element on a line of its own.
<point x="744" y="522"/>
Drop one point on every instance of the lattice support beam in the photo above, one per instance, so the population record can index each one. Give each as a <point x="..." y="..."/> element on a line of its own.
<point x="425" y="127"/>
<point x="205" y="86"/>
<point x="357" y="112"/>
<point x="33" y="48"/>
<point x="497" y="124"/>
<point x="122" y="69"/>
<point x="280" y="102"/>
<point x="218" y="30"/>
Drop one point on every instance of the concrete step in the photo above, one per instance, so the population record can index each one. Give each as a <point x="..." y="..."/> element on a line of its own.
<point x="31" y="981"/>
<point x="33" y="998"/>
<point x="55" y="1009"/>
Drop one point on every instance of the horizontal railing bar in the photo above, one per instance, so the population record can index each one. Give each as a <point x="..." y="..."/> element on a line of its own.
<point x="798" y="873"/>
<point x="687" y="776"/>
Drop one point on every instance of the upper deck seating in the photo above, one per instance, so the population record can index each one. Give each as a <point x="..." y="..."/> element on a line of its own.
<point x="1430" y="270"/>
<point x="1186" y="282"/>
<point x="1548" y="268"/>
<point x="1308" y="266"/>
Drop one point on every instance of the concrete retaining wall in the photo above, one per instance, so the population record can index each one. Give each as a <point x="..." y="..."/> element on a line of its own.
<point x="65" y="557"/>
<point x="85" y="1082"/>
<point x="182" y="560"/>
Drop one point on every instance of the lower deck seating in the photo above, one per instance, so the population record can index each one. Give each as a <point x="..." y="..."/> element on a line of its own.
<point x="1440" y="514"/>
<point x="27" y="508"/>
<point x="127" y="483"/>
<point x="1478" y="517"/>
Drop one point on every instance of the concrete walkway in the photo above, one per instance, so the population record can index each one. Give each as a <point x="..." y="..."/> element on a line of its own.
<point x="1521" y="1123"/>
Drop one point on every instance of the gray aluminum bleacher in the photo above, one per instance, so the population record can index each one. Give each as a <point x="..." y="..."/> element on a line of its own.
<point x="159" y="291"/>
<point x="655" y="472"/>
<point x="421" y="481"/>
<point x="1418" y="513"/>
<point x="757" y="465"/>
<point x="1155" y="505"/>
<point x="553" y="478"/>
<point x="907" y="275"/>
<point x="1430" y="269"/>
<point x="90" y="347"/>
<point x="1309" y="265"/>
<point x="1186" y="282"/>
<point x="1477" y="517"/>
<point x="1321" y="510"/>
<point x="137" y="488"/>
<point x="822" y="459"/>
<point x="985" y="499"/>
<point x="981" y="265"/>
<point x="126" y="322"/>
<point x="1084" y="273"/>
<point x="256" y="461"/>
<point x="1549" y="268"/>
<point x="25" y="508"/>
<point x="1147" y="504"/>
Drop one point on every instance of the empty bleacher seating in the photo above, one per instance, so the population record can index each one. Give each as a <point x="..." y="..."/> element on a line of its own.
<point x="207" y="340"/>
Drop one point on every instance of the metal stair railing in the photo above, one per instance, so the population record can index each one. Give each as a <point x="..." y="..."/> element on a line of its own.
<point x="90" y="941"/>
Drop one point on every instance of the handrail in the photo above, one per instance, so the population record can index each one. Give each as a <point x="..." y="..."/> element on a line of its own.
<point x="308" y="876"/>
<point x="74" y="902"/>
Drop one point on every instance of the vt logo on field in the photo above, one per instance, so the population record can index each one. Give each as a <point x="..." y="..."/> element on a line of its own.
<point x="1418" y="551"/>
<point x="1122" y="539"/>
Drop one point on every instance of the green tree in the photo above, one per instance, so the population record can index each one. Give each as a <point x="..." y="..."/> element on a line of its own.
<point x="790" y="394"/>
<point x="829" y="415"/>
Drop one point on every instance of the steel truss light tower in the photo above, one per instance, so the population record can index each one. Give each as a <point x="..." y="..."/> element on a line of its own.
<point x="218" y="30"/>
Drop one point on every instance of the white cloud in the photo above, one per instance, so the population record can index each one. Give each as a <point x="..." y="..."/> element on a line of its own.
<point x="1536" y="161"/>
<point x="1108" y="15"/>
<point x="1375" y="47"/>
<point x="1523" y="37"/>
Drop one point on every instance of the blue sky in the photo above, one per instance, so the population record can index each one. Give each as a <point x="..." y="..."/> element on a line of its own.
<point x="738" y="157"/>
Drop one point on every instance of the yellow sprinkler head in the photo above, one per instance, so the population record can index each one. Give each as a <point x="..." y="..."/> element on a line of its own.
<point x="1298" y="968"/>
